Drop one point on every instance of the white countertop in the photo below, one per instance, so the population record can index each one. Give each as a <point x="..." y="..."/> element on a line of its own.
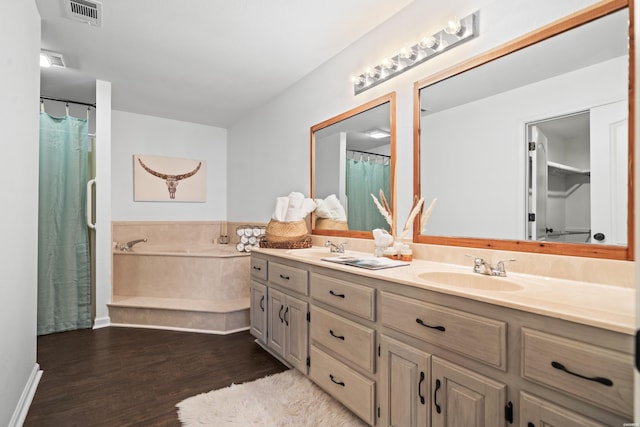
<point x="600" y="305"/>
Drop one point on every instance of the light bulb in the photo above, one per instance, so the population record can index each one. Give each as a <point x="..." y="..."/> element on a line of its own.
<point x="389" y="64"/>
<point x="429" y="42"/>
<point x="373" y="72"/>
<point x="453" y="25"/>
<point x="357" y="80"/>
<point x="407" y="53"/>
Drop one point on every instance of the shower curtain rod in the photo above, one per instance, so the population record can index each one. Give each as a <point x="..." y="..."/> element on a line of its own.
<point x="367" y="152"/>
<point x="68" y="101"/>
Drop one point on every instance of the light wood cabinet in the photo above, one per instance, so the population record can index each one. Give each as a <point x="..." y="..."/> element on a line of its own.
<point x="590" y="372"/>
<point x="258" y="311"/>
<point x="463" y="398"/>
<point x="405" y="380"/>
<point x="399" y="355"/>
<point x="288" y="328"/>
<point x="536" y="412"/>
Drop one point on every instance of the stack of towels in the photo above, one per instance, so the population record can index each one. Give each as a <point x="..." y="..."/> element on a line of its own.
<point x="293" y="207"/>
<point x="330" y="208"/>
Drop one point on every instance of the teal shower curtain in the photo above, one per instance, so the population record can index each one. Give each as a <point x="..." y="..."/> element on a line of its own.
<point x="64" y="300"/>
<point x="363" y="179"/>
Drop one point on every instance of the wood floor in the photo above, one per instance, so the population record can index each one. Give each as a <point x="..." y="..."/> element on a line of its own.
<point x="135" y="377"/>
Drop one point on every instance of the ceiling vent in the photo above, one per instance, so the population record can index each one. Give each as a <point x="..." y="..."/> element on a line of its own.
<point x="51" y="59"/>
<point x="87" y="11"/>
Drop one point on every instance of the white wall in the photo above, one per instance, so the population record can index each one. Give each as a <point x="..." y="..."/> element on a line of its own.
<point x="20" y="89"/>
<point x="276" y="136"/>
<point x="154" y="136"/>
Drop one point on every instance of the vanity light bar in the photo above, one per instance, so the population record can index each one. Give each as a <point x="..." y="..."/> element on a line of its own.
<point x="455" y="33"/>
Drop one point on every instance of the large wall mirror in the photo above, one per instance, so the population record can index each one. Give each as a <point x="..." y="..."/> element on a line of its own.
<point x="529" y="147"/>
<point x="352" y="157"/>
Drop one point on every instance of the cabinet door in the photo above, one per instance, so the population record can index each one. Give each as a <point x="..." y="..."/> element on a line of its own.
<point x="297" y="333"/>
<point x="275" y="321"/>
<point x="535" y="412"/>
<point x="463" y="398"/>
<point x="404" y="385"/>
<point x="258" y="311"/>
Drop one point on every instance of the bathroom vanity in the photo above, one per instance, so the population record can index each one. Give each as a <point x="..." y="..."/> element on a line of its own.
<point x="436" y="344"/>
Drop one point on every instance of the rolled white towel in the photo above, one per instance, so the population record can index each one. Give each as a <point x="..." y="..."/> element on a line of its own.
<point x="280" y="212"/>
<point x="308" y="206"/>
<point x="295" y="207"/>
<point x="335" y="208"/>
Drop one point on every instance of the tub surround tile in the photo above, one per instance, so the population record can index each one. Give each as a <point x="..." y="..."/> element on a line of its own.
<point x="180" y="278"/>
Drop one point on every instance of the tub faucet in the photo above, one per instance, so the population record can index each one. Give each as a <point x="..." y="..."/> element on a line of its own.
<point x="126" y="246"/>
<point x="333" y="248"/>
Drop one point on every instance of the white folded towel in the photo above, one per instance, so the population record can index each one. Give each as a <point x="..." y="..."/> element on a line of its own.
<point x="330" y="208"/>
<point x="280" y="212"/>
<point x="294" y="210"/>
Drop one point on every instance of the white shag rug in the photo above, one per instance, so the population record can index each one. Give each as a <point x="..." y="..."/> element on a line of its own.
<point x="281" y="400"/>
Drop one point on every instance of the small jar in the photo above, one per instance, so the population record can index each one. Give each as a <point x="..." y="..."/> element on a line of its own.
<point x="390" y="253"/>
<point x="406" y="254"/>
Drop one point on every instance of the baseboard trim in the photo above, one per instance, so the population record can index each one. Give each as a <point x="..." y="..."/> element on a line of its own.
<point x="21" y="411"/>
<point x="101" y="322"/>
<point x="177" y="329"/>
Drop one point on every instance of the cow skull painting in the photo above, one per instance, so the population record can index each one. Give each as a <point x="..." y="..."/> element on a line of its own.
<point x="171" y="180"/>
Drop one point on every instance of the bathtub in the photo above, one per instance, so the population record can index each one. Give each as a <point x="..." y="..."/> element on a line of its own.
<point x="203" y="288"/>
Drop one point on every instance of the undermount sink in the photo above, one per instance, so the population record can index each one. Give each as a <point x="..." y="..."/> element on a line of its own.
<point x="471" y="281"/>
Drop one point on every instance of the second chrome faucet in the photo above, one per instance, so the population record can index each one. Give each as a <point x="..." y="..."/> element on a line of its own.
<point x="481" y="266"/>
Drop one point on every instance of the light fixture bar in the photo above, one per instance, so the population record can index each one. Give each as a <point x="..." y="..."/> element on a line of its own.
<point x="455" y="33"/>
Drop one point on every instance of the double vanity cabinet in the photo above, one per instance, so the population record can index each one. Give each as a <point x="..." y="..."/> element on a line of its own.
<point x="398" y="351"/>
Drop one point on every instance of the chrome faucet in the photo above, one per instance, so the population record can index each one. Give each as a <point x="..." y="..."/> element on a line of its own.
<point x="333" y="248"/>
<point x="127" y="246"/>
<point x="481" y="266"/>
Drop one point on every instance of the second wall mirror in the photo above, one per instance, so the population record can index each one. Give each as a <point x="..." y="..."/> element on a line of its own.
<point x="352" y="157"/>
<point x="528" y="147"/>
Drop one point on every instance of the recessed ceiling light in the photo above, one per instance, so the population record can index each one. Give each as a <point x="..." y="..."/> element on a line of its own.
<point x="378" y="134"/>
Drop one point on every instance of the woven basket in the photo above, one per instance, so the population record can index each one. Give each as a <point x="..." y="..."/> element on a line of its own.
<point x="330" y="224"/>
<point x="293" y="231"/>
<point x="302" y="244"/>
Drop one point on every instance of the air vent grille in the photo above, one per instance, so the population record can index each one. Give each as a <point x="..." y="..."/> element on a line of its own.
<point x="88" y="11"/>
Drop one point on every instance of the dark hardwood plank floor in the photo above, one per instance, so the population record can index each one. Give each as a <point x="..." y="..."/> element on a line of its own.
<point x="135" y="377"/>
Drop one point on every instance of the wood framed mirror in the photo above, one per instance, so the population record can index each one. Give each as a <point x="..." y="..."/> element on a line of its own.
<point x="529" y="147"/>
<point x="352" y="157"/>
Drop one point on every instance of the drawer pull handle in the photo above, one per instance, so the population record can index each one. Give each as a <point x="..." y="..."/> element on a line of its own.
<point x="601" y="380"/>
<point x="420" y="386"/>
<point x="282" y="276"/>
<point x="336" y="295"/>
<point x="340" y="337"/>
<point x="280" y="313"/>
<point x="285" y="316"/>
<point x="262" y="303"/>
<point x="435" y="396"/>
<point x="333" y="379"/>
<point x="257" y="268"/>
<point x="421" y="322"/>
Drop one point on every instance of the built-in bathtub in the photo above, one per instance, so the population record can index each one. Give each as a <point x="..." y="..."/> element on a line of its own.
<point x="196" y="286"/>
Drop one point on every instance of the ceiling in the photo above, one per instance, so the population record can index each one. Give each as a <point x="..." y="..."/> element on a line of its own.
<point x="201" y="61"/>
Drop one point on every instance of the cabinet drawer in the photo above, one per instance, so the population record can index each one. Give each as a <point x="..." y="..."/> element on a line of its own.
<point x="352" y="298"/>
<point x="478" y="337"/>
<point x="344" y="337"/>
<point x="289" y="277"/>
<point x="350" y="388"/>
<point x="259" y="268"/>
<point x="598" y="375"/>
